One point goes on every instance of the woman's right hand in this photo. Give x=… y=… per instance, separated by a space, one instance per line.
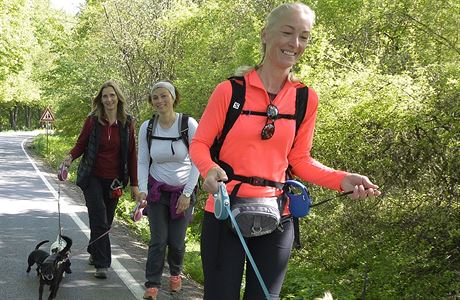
x=360 y=185
x=212 y=179
x=67 y=160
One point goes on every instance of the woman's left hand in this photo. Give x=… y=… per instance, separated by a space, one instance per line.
x=182 y=204
x=360 y=185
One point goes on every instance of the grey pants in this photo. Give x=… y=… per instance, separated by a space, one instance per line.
x=166 y=235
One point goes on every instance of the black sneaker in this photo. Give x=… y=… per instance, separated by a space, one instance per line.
x=101 y=273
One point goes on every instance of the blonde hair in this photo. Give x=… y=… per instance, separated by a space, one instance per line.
x=270 y=21
x=98 y=107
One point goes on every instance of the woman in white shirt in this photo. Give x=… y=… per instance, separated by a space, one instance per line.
x=167 y=179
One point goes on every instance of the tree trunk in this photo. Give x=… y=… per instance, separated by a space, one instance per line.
x=14 y=117
x=28 y=117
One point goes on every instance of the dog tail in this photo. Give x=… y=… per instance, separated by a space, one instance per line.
x=41 y=243
x=68 y=244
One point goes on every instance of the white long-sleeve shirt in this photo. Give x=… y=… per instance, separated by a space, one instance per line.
x=174 y=169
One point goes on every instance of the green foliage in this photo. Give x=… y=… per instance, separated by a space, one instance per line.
x=192 y=261
x=26 y=41
x=387 y=76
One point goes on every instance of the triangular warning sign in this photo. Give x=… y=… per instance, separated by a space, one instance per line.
x=47 y=116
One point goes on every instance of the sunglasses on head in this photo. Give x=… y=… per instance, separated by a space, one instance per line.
x=269 y=129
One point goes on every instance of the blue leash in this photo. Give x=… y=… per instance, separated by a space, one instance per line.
x=222 y=197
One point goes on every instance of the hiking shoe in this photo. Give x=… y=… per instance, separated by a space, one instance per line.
x=175 y=283
x=101 y=273
x=90 y=260
x=151 y=293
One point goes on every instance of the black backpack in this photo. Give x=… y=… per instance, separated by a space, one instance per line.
x=235 y=109
x=183 y=135
x=183 y=132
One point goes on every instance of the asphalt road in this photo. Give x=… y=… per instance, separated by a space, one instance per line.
x=29 y=198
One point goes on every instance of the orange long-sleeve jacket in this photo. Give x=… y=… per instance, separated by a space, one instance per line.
x=247 y=153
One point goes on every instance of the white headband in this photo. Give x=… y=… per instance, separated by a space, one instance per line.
x=166 y=85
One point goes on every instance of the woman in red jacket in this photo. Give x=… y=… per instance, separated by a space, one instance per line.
x=262 y=144
x=108 y=143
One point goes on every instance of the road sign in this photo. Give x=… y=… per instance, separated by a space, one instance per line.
x=47 y=116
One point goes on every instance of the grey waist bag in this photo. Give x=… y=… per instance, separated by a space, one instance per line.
x=255 y=216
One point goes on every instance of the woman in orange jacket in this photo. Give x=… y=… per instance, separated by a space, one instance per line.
x=261 y=145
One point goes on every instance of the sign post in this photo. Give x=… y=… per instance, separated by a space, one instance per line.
x=47 y=117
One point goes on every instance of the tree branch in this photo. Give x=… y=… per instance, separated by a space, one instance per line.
x=428 y=29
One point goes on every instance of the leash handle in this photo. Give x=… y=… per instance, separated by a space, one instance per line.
x=63 y=172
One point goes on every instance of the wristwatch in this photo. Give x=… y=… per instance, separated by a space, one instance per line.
x=187 y=194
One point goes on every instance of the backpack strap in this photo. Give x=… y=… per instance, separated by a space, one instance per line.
x=301 y=101
x=295 y=222
x=150 y=128
x=233 y=112
x=183 y=129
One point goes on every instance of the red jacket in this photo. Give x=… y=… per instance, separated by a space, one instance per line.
x=107 y=163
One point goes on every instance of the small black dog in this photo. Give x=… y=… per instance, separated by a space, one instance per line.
x=53 y=268
x=37 y=257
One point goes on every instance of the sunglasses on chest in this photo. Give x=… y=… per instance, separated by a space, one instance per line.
x=272 y=114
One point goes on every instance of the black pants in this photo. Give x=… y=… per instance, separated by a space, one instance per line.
x=101 y=211
x=223 y=258
x=168 y=235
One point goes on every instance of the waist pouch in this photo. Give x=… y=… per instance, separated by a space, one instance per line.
x=255 y=216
